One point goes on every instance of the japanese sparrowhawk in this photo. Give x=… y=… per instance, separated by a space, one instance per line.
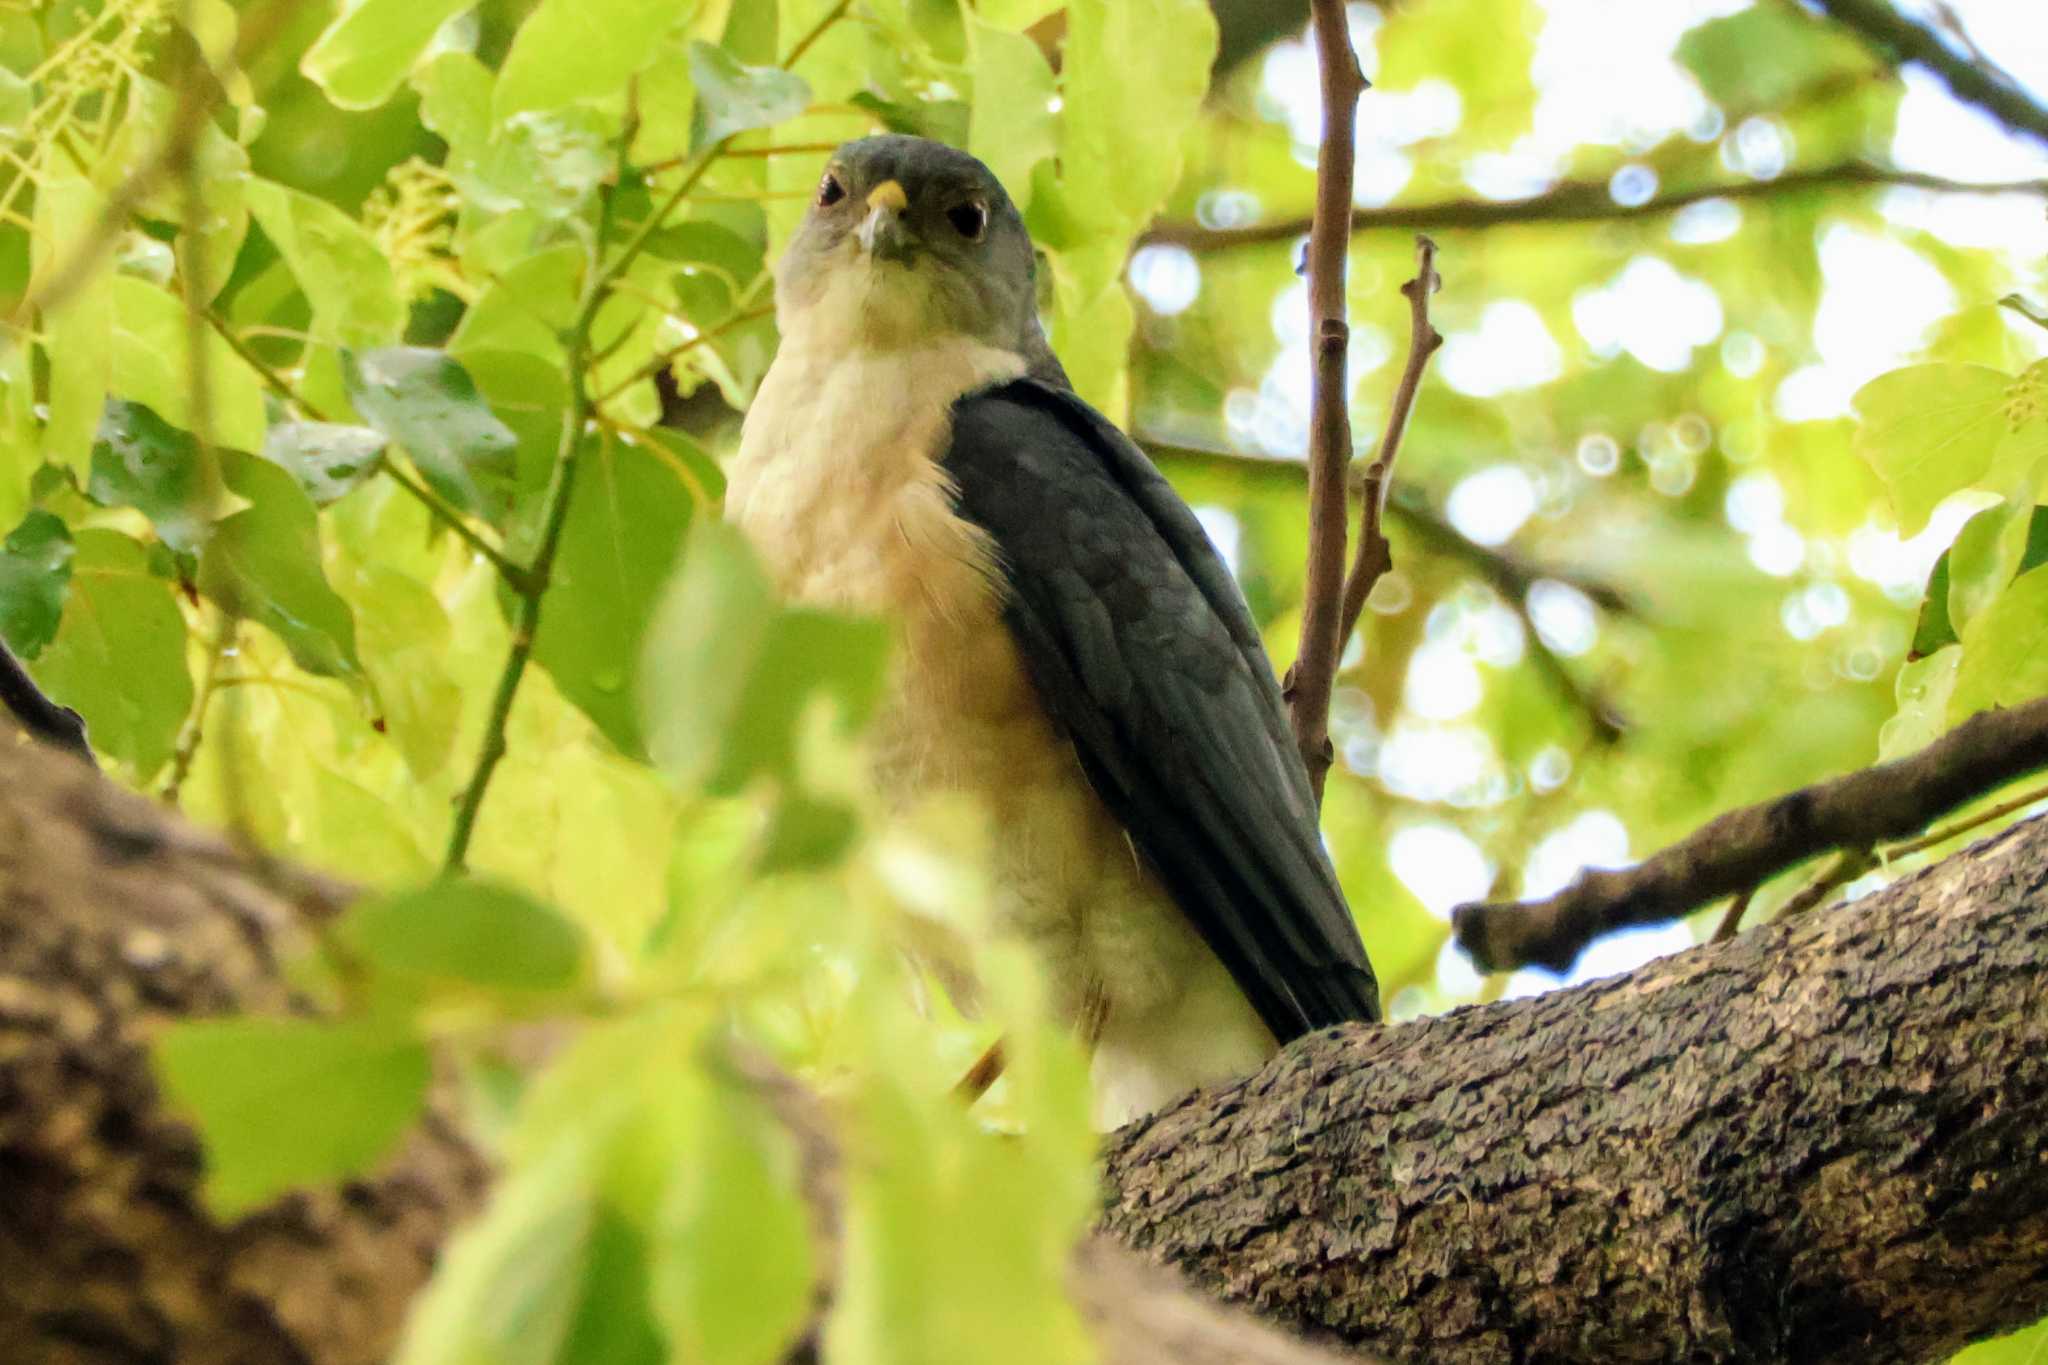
x=1074 y=653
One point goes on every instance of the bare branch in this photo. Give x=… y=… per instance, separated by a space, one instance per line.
x=1743 y=847
x=1375 y=556
x=1576 y=201
x=1329 y=440
x=1507 y=573
x=1900 y=39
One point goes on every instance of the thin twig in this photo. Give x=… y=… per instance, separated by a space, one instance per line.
x=1963 y=826
x=1574 y=201
x=1329 y=442
x=1507 y=573
x=667 y=358
x=817 y=31
x=189 y=120
x=1375 y=556
x=194 y=728
x=1837 y=872
x=1744 y=847
x=1731 y=919
x=986 y=1071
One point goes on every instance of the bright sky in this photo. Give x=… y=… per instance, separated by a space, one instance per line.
x=1606 y=74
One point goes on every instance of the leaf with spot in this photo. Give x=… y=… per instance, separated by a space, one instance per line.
x=263 y=563
x=144 y=462
x=426 y=402
x=35 y=576
x=283 y=1103
x=329 y=459
x=118 y=657
x=631 y=509
x=731 y=98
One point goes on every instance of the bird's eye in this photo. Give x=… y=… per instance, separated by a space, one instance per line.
x=970 y=219
x=830 y=191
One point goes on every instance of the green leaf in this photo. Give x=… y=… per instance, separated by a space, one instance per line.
x=403 y=639
x=509 y=1284
x=144 y=462
x=264 y=563
x=624 y=529
x=119 y=655
x=1013 y=126
x=807 y=834
x=78 y=333
x=35 y=576
x=733 y=98
x=329 y=459
x=17 y=102
x=2005 y=650
x=1928 y=431
x=290 y=1102
x=364 y=55
x=1994 y=554
x=1135 y=75
x=1762 y=57
x=467 y=933
x=727 y=674
x=152 y=366
x=571 y=50
x=1923 y=689
x=732 y=1260
x=341 y=269
x=427 y=403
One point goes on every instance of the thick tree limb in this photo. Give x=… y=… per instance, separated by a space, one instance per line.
x=1573 y=201
x=1736 y=851
x=1899 y=39
x=1819 y=1142
x=1314 y=675
x=116 y=918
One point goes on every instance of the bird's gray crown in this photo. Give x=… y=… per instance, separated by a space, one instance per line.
x=908 y=240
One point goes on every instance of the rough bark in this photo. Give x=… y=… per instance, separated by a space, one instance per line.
x=1826 y=1140
x=116 y=918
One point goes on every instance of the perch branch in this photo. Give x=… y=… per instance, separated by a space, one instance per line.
x=1574 y=201
x=1744 y=847
x=1329 y=442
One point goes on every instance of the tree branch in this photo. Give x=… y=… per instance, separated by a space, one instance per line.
x=1314 y=675
x=1507 y=573
x=1820 y=1142
x=1573 y=201
x=116 y=918
x=1375 y=556
x=1745 y=847
x=1899 y=39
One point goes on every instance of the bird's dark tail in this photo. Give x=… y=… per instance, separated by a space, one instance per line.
x=41 y=717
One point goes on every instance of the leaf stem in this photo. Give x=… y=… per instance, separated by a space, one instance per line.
x=513 y=574
x=561 y=487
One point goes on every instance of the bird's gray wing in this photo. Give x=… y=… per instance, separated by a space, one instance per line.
x=1144 y=653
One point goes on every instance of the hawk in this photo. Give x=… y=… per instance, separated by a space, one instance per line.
x=1074 y=653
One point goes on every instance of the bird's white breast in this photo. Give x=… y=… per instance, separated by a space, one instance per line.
x=837 y=483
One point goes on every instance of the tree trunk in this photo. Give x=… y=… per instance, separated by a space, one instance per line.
x=1826 y=1140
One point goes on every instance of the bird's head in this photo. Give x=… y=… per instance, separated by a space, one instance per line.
x=907 y=240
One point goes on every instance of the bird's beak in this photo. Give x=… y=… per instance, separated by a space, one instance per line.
x=881 y=233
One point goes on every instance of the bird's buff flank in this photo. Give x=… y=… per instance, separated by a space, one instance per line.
x=908 y=286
